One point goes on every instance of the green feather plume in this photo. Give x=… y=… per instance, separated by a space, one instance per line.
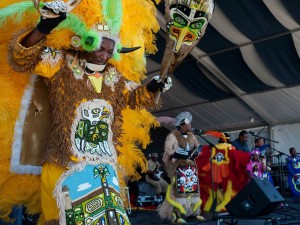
x=90 y=39
x=112 y=11
x=16 y=11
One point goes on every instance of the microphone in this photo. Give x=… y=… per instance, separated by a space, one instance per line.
x=196 y=131
x=252 y=133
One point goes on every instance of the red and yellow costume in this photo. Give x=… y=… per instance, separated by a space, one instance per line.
x=222 y=173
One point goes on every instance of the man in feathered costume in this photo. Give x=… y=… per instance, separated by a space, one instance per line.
x=183 y=194
x=222 y=172
x=96 y=113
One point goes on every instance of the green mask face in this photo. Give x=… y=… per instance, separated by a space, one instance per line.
x=186 y=25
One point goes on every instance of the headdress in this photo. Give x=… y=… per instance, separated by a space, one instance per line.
x=225 y=138
x=183 y=118
x=88 y=23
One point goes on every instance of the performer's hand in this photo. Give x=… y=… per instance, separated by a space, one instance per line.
x=173 y=160
x=167 y=84
x=46 y=25
x=156 y=84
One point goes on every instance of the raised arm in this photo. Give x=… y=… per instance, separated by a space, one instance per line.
x=33 y=38
x=46 y=25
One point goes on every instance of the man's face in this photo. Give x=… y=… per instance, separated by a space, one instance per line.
x=186 y=127
x=101 y=56
x=260 y=142
x=244 y=138
x=293 y=152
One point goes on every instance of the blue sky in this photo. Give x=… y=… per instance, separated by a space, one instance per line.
x=83 y=182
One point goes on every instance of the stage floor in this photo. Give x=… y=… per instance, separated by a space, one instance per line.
x=291 y=212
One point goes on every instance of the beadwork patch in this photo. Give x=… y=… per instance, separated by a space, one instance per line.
x=91 y=131
x=187 y=179
x=90 y=194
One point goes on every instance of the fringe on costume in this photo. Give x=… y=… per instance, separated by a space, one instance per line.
x=18 y=132
x=165 y=210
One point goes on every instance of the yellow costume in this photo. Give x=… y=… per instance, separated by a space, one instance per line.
x=73 y=141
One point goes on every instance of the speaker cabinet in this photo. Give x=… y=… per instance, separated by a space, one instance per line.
x=258 y=197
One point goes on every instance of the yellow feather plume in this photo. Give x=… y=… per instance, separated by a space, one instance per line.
x=216 y=134
x=136 y=127
x=141 y=14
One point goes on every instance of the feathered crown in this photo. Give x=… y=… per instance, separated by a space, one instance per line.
x=88 y=23
x=133 y=22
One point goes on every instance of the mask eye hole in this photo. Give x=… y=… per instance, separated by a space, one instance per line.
x=179 y=19
x=198 y=24
x=96 y=110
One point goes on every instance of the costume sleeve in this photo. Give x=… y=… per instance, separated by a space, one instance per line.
x=196 y=142
x=36 y=59
x=171 y=144
x=140 y=97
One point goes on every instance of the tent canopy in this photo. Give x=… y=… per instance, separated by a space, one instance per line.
x=244 y=72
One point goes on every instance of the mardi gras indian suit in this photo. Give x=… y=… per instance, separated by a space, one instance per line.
x=95 y=120
x=183 y=194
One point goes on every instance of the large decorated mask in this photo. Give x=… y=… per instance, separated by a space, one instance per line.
x=188 y=20
x=186 y=23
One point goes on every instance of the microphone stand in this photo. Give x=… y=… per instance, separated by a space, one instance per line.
x=214 y=194
x=279 y=152
x=266 y=139
x=281 y=170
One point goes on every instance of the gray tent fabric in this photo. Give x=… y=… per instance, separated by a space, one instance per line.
x=245 y=71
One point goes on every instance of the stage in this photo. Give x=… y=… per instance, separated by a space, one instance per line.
x=288 y=213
